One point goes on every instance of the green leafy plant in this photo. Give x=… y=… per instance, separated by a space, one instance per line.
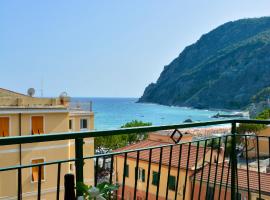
x=118 y=141
x=254 y=128
x=102 y=191
x=214 y=143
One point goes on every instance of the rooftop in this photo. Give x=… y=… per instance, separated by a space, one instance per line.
x=10 y=101
x=144 y=155
x=242 y=178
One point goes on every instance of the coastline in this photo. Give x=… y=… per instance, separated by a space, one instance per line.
x=112 y=113
x=194 y=108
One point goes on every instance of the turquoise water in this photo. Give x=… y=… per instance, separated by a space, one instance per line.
x=112 y=113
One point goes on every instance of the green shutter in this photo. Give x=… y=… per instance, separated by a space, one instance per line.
x=155 y=178
x=127 y=170
x=143 y=175
x=137 y=172
x=239 y=196
x=172 y=182
x=210 y=192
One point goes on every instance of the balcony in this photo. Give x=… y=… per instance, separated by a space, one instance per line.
x=223 y=166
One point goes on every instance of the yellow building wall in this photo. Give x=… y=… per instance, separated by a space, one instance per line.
x=49 y=151
x=263 y=144
x=141 y=186
x=88 y=147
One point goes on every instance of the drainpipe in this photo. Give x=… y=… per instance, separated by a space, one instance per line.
x=20 y=133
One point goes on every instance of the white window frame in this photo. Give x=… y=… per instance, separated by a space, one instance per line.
x=87 y=124
x=140 y=173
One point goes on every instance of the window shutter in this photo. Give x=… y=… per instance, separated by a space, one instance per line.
x=143 y=175
x=127 y=170
x=210 y=191
x=35 y=170
x=40 y=125
x=70 y=124
x=35 y=174
x=239 y=196
x=85 y=123
x=155 y=178
x=37 y=125
x=4 y=126
x=137 y=173
x=1 y=128
x=172 y=182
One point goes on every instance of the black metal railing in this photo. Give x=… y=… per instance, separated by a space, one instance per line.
x=227 y=166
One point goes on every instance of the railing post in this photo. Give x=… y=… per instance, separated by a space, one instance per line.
x=233 y=162
x=79 y=163
x=69 y=187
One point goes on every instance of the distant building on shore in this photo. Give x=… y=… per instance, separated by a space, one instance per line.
x=22 y=115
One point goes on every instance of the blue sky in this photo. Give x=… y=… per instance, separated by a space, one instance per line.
x=112 y=48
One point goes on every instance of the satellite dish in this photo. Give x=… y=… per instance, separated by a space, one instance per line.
x=31 y=92
x=63 y=95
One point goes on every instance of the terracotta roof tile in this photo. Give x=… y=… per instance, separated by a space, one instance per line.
x=242 y=178
x=144 y=155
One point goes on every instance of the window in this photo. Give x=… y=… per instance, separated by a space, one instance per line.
x=141 y=174
x=172 y=182
x=37 y=125
x=210 y=192
x=215 y=159
x=70 y=124
x=71 y=167
x=239 y=196
x=83 y=124
x=35 y=170
x=127 y=171
x=4 y=126
x=155 y=178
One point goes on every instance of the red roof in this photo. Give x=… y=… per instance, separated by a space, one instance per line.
x=144 y=155
x=242 y=178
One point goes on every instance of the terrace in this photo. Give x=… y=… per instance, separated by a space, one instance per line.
x=205 y=168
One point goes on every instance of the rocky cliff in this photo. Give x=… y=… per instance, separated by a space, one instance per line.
x=224 y=69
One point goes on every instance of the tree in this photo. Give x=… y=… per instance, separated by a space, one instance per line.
x=264 y=114
x=250 y=128
x=135 y=137
x=254 y=128
x=214 y=143
x=105 y=144
x=117 y=141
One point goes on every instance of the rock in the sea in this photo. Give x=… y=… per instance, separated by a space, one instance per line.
x=188 y=121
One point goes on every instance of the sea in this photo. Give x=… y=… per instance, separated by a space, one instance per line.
x=112 y=113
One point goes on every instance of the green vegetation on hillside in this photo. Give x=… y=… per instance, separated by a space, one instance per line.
x=263 y=95
x=228 y=67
